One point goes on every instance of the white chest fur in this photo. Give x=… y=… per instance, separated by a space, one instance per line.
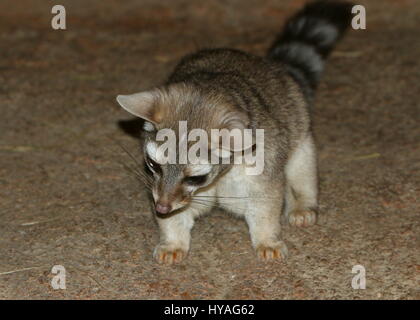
x=233 y=190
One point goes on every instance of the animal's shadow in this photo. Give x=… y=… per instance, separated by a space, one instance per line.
x=131 y=127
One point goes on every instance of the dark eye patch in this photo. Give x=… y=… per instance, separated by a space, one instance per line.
x=153 y=165
x=195 y=180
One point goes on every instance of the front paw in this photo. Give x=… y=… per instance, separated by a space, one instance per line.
x=302 y=218
x=167 y=254
x=273 y=251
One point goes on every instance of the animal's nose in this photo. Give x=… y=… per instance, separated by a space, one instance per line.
x=163 y=208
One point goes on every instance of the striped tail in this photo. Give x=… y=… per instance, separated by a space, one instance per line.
x=309 y=37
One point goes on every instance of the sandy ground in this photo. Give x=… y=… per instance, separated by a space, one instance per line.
x=66 y=199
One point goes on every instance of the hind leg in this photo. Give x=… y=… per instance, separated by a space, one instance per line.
x=302 y=185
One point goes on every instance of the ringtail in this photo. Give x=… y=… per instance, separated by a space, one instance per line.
x=228 y=88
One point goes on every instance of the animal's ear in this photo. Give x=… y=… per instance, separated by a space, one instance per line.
x=235 y=132
x=140 y=104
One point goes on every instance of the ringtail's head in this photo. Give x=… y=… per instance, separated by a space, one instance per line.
x=172 y=114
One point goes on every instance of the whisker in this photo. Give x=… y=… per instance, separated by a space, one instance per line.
x=141 y=178
x=238 y=197
x=134 y=170
x=207 y=205
x=129 y=154
x=137 y=170
x=217 y=203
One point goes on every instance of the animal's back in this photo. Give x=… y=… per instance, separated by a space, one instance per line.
x=259 y=85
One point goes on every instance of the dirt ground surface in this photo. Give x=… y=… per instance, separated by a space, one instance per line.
x=66 y=199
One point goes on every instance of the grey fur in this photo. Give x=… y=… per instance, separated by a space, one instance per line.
x=229 y=88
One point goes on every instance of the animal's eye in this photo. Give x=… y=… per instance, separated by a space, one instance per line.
x=196 y=180
x=153 y=165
